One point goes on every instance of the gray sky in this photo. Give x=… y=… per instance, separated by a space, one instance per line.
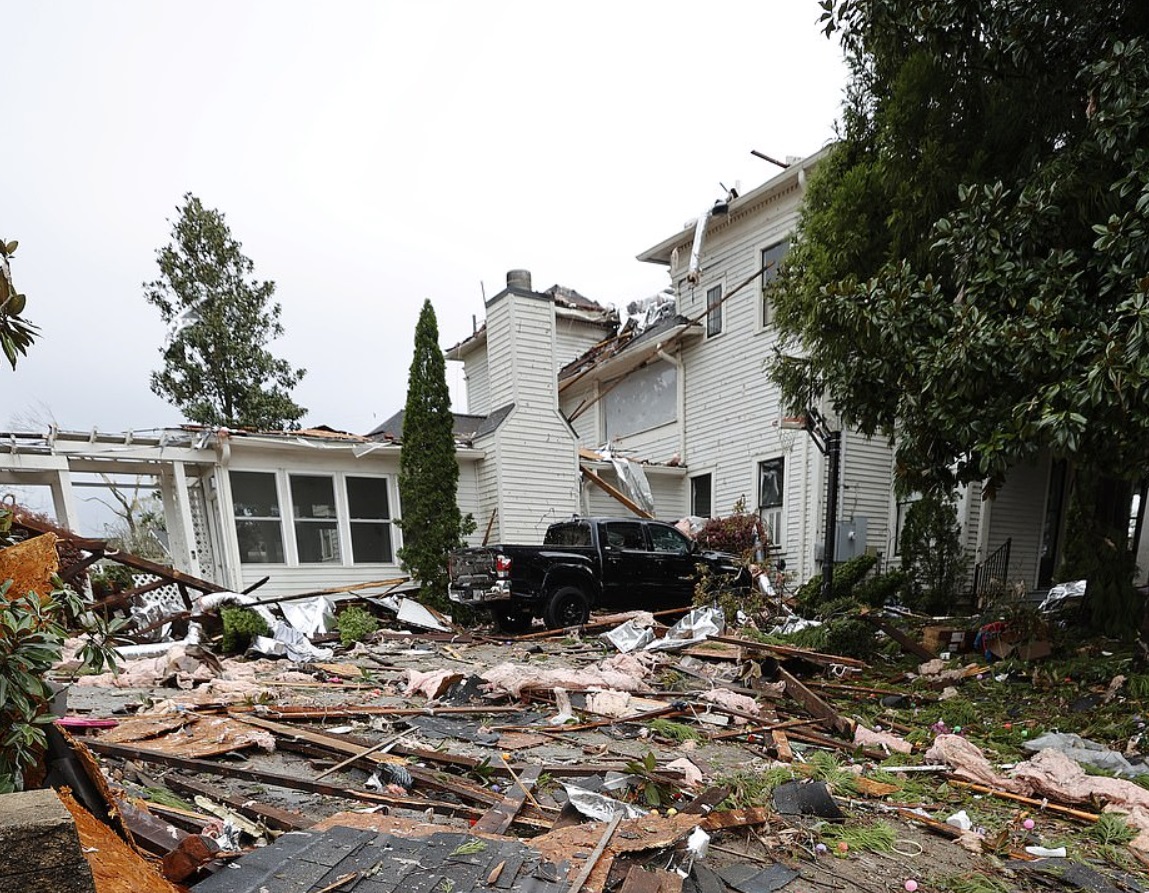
x=368 y=156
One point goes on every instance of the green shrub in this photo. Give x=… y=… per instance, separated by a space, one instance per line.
x=355 y=624
x=932 y=554
x=850 y=637
x=847 y=576
x=240 y=626
x=738 y=533
x=877 y=591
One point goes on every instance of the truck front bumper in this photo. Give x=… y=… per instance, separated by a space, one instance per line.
x=498 y=592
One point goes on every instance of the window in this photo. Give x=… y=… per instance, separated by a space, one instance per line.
x=624 y=535
x=257 y=522
x=713 y=310
x=644 y=399
x=667 y=539
x=771 y=258
x=370 y=514
x=576 y=534
x=316 y=527
x=701 y=498
x=771 y=496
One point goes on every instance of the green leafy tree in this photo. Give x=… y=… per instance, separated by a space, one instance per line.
x=217 y=369
x=971 y=276
x=16 y=334
x=428 y=471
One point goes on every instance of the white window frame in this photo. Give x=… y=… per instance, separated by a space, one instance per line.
x=765 y=307
x=287 y=519
x=719 y=284
x=773 y=516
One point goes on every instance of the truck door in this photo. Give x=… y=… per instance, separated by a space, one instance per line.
x=627 y=564
x=674 y=564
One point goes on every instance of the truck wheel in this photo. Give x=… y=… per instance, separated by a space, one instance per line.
x=512 y=621
x=568 y=606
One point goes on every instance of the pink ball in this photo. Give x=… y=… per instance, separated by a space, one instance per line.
x=911 y=885
x=1029 y=824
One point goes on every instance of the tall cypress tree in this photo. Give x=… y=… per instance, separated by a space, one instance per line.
x=428 y=471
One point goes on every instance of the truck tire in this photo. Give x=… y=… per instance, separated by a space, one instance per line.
x=513 y=621
x=567 y=606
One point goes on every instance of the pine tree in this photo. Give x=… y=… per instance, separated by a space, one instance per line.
x=217 y=370
x=428 y=471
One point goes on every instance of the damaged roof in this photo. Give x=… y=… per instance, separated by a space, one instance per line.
x=466 y=428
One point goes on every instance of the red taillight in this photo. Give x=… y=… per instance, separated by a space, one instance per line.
x=502 y=565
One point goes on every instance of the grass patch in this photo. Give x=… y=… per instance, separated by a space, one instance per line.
x=1112 y=829
x=877 y=838
x=971 y=883
x=749 y=788
x=675 y=731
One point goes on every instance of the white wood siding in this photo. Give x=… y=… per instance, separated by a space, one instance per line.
x=573 y=338
x=500 y=354
x=1017 y=514
x=668 y=487
x=478 y=383
x=536 y=453
x=867 y=485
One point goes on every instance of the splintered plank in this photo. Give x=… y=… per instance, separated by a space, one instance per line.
x=813 y=704
x=909 y=645
x=284 y=781
x=499 y=818
x=782 y=745
x=273 y=817
x=651 y=880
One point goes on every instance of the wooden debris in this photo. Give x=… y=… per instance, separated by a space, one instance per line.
x=782 y=745
x=499 y=818
x=271 y=816
x=641 y=879
x=116 y=867
x=30 y=566
x=813 y=704
x=1029 y=801
x=909 y=645
x=593 y=860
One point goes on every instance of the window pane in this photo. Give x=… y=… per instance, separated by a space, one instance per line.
x=317 y=542
x=257 y=525
x=312 y=496
x=714 y=310
x=370 y=542
x=260 y=542
x=701 y=502
x=367 y=498
x=568 y=535
x=644 y=399
x=770 y=483
x=771 y=260
x=625 y=535
x=253 y=494
x=666 y=539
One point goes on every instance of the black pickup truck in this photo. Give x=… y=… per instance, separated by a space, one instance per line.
x=584 y=563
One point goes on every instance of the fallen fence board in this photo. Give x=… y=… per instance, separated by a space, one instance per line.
x=271 y=816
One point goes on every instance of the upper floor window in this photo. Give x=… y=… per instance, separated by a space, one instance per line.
x=713 y=310
x=770 y=259
x=643 y=399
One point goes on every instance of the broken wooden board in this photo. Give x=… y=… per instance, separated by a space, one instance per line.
x=271 y=816
x=641 y=879
x=909 y=645
x=116 y=867
x=195 y=738
x=499 y=818
x=30 y=566
x=814 y=705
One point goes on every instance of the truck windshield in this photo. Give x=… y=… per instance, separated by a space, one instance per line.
x=568 y=535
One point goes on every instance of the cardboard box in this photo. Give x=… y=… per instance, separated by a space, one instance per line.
x=944 y=638
x=1035 y=650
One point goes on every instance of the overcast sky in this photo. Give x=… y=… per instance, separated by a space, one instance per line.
x=368 y=156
